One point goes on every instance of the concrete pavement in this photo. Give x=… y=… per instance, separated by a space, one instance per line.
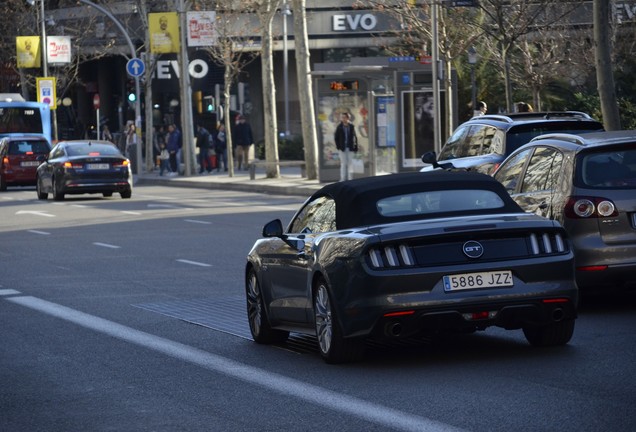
x=290 y=182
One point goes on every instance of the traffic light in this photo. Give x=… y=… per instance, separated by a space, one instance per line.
x=131 y=91
x=209 y=103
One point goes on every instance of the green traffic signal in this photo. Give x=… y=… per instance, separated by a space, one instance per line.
x=132 y=97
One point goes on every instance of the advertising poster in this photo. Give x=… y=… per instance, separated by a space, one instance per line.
x=47 y=91
x=329 y=109
x=164 y=32
x=418 y=126
x=58 y=49
x=201 y=28
x=28 y=51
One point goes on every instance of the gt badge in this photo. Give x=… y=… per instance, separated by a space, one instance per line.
x=473 y=249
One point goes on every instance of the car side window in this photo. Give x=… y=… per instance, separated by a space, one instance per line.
x=453 y=147
x=540 y=174
x=509 y=173
x=317 y=216
x=474 y=141
x=493 y=141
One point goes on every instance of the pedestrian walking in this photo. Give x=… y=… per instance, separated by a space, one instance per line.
x=174 y=146
x=203 y=144
x=131 y=139
x=220 y=147
x=243 y=139
x=347 y=144
x=164 y=159
x=106 y=135
x=480 y=109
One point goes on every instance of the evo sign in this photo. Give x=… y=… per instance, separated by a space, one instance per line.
x=353 y=22
x=167 y=69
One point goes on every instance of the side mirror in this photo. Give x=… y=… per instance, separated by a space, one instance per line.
x=273 y=229
x=430 y=158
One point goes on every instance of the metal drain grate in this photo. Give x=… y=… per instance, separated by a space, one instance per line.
x=228 y=315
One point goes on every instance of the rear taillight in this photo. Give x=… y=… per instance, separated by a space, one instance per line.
x=583 y=207
x=391 y=256
x=5 y=160
x=73 y=165
x=121 y=164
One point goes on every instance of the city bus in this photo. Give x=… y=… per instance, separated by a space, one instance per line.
x=18 y=116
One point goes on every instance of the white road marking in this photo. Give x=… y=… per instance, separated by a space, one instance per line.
x=194 y=263
x=39 y=232
x=170 y=206
x=106 y=245
x=198 y=221
x=131 y=212
x=4 y=292
x=368 y=411
x=80 y=206
x=33 y=212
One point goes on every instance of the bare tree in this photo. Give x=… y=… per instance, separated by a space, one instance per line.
x=305 y=92
x=229 y=52
x=604 y=73
x=266 y=11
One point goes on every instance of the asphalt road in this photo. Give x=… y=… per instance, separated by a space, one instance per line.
x=128 y=315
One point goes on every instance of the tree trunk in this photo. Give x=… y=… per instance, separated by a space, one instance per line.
x=604 y=73
x=269 y=98
x=305 y=89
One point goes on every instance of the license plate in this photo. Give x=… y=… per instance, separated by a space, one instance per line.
x=97 y=166
x=466 y=281
x=29 y=163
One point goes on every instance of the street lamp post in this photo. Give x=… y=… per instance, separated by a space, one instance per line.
x=472 y=60
x=45 y=64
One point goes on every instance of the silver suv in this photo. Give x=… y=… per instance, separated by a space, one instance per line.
x=483 y=142
x=588 y=184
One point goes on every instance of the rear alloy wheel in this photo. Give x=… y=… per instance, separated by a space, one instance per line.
x=38 y=189
x=333 y=347
x=107 y=194
x=126 y=194
x=554 y=334
x=57 y=195
x=260 y=328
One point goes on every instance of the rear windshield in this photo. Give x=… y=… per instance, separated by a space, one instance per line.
x=92 y=149
x=439 y=202
x=608 y=169
x=28 y=147
x=523 y=134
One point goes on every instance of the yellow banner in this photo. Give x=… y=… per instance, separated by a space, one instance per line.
x=28 y=51
x=164 y=32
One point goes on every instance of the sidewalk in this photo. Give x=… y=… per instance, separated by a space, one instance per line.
x=290 y=182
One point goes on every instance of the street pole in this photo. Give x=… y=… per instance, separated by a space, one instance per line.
x=286 y=13
x=187 y=134
x=435 y=63
x=472 y=60
x=45 y=65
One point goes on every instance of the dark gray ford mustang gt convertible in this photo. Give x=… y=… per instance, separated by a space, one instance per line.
x=406 y=255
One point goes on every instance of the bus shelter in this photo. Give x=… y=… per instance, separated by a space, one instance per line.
x=390 y=101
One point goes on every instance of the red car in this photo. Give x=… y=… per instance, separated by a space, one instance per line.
x=20 y=156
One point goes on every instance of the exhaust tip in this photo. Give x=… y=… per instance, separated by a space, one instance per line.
x=393 y=329
x=558 y=315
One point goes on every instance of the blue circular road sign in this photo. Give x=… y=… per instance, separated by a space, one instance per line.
x=135 y=67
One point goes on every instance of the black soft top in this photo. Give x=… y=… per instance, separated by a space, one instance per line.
x=356 y=199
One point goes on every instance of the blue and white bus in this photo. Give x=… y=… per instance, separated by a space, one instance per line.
x=18 y=116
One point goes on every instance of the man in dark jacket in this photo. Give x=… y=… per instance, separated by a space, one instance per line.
x=346 y=143
x=174 y=146
x=203 y=144
x=242 y=139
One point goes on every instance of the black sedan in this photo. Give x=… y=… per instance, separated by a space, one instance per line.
x=84 y=166
x=408 y=255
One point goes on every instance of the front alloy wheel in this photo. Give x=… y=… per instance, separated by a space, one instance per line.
x=333 y=347
x=57 y=195
x=260 y=328
x=38 y=187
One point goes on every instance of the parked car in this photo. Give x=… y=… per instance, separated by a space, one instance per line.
x=406 y=255
x=20 y=156
x=483 y=142
x=588 y=184
x=84 y=166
